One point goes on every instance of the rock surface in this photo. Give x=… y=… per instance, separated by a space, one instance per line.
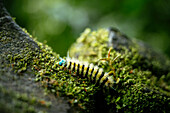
x=144 y=73
x=18 y=90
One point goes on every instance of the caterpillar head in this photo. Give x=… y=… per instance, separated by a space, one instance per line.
x=62 y=62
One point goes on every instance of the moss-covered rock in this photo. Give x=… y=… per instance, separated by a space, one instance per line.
x=28 y=67
x=144 y=79
x=19 y=92
x=137 y=84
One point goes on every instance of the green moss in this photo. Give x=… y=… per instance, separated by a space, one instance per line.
x=60 y=82
x=19 y=102
x=138 y=84
x=135 y=87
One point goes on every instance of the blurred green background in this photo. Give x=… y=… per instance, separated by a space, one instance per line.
x=60 y=22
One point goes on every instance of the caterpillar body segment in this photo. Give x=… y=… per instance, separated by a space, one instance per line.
x=93 y=73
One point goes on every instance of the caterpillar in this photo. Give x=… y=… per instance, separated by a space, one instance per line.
x=94 y=73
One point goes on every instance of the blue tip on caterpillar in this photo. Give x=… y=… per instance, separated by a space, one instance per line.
x=62 y=62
